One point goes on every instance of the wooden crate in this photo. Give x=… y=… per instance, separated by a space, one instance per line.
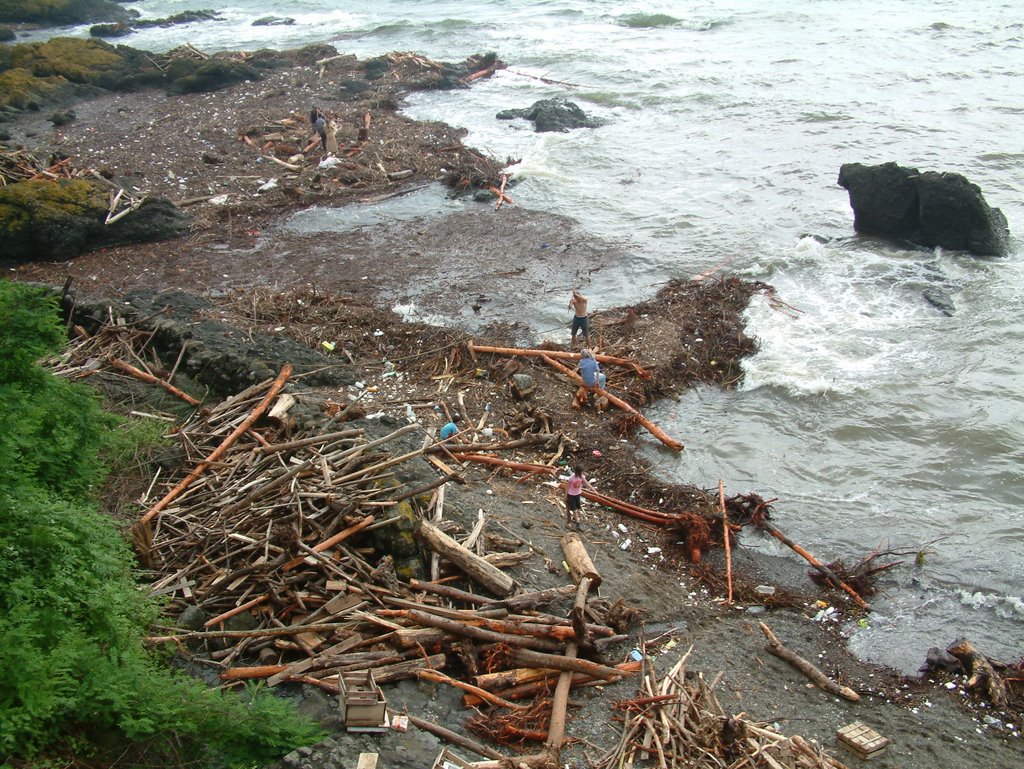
x=360 y=700
x=448 y=760
x=862 y=739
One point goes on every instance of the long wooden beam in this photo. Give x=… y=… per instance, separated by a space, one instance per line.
x=564 y=354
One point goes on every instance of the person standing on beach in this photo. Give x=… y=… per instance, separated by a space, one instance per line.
x=573 y=496
x=319 y=122
x=580 y=319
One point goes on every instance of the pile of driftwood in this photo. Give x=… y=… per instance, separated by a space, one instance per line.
x=271 y=537
x=678 y=721
x=276 y=531
x=21 y=165
x=365 y=149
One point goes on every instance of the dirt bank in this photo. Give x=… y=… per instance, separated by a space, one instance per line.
x=481 y=269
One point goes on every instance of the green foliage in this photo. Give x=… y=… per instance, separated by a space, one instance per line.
x=54 y=428
x=29 y=329
x=72 y=620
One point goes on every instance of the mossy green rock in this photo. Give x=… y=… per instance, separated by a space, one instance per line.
x=399 y=541
x=49 y=220
x=54 y=220
x=61 y=11
x=31 y=73
x=210 y=75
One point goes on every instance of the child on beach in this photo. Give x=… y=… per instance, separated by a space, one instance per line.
x=573 y=496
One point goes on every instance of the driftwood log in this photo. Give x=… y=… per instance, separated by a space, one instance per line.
x=980 y=670
x=820 y=680
x=475 y=567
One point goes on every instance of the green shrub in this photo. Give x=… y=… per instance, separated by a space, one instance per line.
x=72 y=620
x=54 y=428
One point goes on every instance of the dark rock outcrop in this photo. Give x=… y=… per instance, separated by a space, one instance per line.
x=63 y=11
x=156 y=219
x=122 y=28
x=213 y=355
x=210 y=75
x=551 y=115
x=418 y=74
x=53 y=220
x=929 y=209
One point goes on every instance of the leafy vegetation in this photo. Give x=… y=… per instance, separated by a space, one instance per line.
x=78 y=680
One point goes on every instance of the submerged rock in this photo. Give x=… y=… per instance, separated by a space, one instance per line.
x=122 y=28
x=274 y=21
x=551 y=115
x=940 y=300
x=929 y=209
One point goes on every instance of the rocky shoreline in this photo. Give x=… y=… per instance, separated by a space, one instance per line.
x=239 y=268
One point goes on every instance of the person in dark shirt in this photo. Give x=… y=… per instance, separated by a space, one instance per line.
x=319 y=122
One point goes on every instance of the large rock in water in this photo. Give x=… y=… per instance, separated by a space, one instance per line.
x=930 y=209
x=551 y=115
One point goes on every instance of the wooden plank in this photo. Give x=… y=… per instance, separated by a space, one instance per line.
x=304 y=665
x=367 y=761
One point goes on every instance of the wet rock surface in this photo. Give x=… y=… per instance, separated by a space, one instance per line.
x=547 y=115
x=212 y=355
x=929 y=209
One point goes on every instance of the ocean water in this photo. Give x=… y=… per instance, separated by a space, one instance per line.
x=874 y=419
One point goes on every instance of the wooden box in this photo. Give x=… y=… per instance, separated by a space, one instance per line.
x=360 y=700
x=862 y=739
x=448 y=760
